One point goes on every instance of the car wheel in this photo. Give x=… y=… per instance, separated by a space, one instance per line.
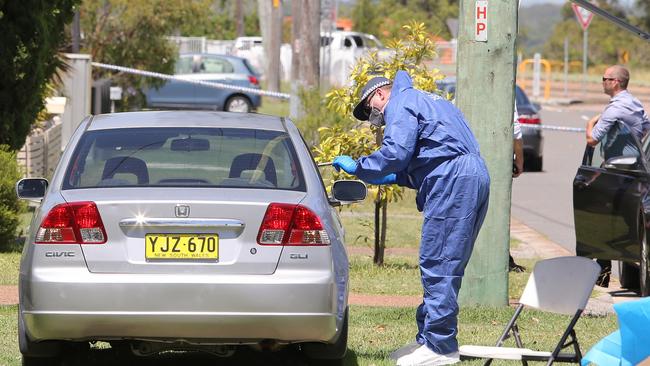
x=644 y=262
x=330 y=354
x=238 y=103
x=628 y=275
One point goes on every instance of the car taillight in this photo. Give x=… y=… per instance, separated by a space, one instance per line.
x=529 y=119
x=253 y=80
x=72 y=223
x=286 y=224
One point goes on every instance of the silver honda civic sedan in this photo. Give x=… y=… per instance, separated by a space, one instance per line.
x=185 y=230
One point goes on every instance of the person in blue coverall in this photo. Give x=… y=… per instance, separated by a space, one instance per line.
x=428 y=146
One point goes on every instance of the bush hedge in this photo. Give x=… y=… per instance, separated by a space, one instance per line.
x=10 y=206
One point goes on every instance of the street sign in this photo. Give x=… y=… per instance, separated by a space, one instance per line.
x=583 y=15
x=481 y=21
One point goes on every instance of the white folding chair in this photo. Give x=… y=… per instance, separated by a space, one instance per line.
x=558 y=285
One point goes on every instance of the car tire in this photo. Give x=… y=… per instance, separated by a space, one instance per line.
x=238 y=103
x=326 y=353
x=644 y=262
x=628 y=275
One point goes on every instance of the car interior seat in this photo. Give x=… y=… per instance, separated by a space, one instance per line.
x=126 y=164
x=254 y=161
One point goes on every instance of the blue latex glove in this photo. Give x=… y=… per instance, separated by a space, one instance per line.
x=387 y=179
x=346 y=163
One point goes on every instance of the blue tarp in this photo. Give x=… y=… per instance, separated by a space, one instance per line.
x=631 y=343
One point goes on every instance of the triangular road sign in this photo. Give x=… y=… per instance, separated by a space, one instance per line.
x=583 y=15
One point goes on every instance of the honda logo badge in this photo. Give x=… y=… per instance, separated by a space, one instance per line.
x=182 y=210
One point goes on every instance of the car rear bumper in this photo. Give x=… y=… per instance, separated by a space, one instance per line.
x=285 y=306
x=224 y=328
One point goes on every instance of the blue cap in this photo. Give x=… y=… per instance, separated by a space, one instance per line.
x=361 y=111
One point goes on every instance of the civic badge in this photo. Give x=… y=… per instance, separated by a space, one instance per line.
x=182 y=210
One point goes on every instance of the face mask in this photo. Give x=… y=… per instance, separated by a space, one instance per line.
x=376 y=118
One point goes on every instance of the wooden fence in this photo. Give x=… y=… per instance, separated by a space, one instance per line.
x=41 y=152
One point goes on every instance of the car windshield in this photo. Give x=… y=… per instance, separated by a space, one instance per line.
x=201 y=157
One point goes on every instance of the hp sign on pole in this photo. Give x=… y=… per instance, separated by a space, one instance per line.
x=584 y=17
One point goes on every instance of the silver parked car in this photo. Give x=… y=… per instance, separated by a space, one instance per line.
x=173 y=230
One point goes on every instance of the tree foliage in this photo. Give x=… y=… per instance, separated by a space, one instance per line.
x=606 y=41
x=31 y=33
x=410 y=54
x=219 y=21
x=132 y=33
x=10 y=206
x=384 y=18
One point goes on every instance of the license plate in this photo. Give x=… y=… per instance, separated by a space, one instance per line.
x=182 y=246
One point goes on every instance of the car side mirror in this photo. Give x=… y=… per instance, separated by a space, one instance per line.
x=31 y=188
x=625 y=163
x=348 y=191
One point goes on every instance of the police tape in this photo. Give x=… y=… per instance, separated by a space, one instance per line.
x=553 y=128
x=210 y=84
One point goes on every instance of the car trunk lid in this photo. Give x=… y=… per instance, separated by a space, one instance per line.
x=151 y=230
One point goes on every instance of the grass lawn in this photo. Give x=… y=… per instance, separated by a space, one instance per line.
x=9 y=354
x=274 y=107
x=400 y=275
x=9 y=262
x=375 y=332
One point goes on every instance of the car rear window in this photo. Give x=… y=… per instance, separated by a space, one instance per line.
x=198 y=157
x=250 y=68
x=215 y=65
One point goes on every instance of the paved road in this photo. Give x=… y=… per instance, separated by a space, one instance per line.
x=543 y=200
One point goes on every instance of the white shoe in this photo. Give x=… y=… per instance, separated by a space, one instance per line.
x=405 y=350
x=423 y=356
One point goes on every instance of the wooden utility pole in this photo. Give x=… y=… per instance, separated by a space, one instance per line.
x=295 y=107
x=310 y=43
x=305 y=42
x=270 y=13
x=485 y=94
x=239 y=18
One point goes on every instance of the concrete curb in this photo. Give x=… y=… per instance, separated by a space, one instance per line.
x=533 y=244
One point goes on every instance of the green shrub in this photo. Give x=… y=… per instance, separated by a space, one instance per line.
x=10 y=206
x=315 y=115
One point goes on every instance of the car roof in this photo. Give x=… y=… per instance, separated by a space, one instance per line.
x=186 y=119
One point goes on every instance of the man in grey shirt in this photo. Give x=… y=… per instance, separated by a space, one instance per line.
x=623 y=107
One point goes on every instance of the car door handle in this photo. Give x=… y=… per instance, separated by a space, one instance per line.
x=581 y=182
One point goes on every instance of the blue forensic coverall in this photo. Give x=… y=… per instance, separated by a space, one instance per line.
x=429 y=146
